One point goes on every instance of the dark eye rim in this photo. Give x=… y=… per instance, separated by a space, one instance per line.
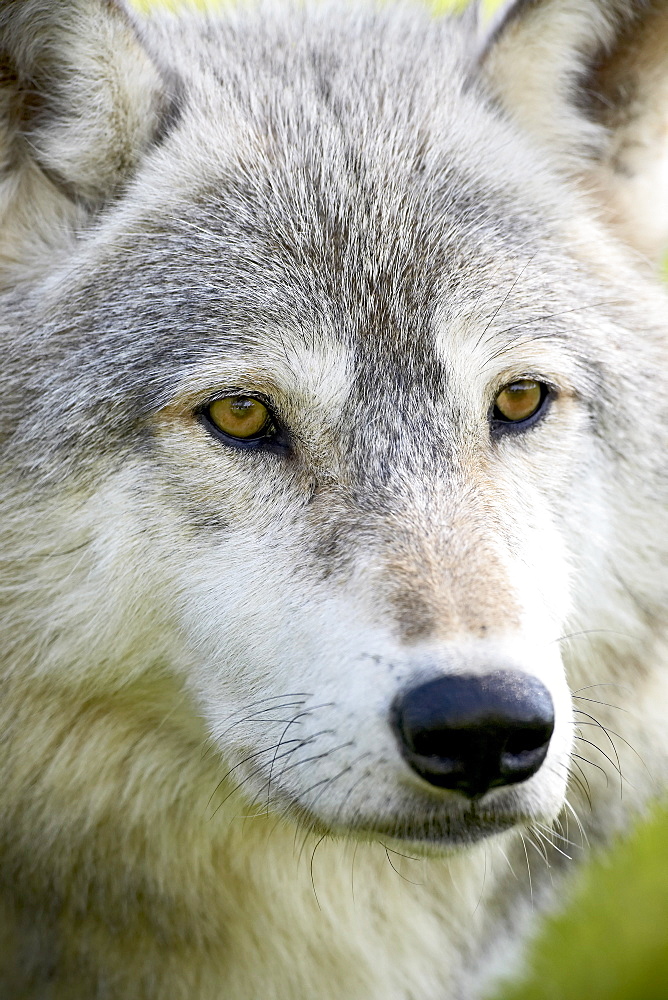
x=501 y=426
x=271 y=438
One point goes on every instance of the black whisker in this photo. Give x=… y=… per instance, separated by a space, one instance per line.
x=595 y=722
x=251 y=756
x=311 y=868
x=601 y=751
x=586 y=760
x=504 y=299
x=395 y=869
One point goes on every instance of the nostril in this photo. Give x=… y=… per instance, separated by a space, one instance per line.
x=473 y=733
x=527 y=738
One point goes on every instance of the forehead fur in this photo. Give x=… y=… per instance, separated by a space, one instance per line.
x=333 y=172
x=354 y=200
x=344 y=153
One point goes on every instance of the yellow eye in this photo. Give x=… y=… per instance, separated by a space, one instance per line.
x=519 y=401
x=240 y=417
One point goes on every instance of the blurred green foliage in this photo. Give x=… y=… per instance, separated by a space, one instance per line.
x=611 y=942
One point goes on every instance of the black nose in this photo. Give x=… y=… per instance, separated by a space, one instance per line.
x=473 y=733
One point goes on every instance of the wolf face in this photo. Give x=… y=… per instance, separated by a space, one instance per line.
x=334 y=394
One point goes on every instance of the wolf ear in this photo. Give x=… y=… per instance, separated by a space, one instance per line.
x=589 y=79
x=80 y=99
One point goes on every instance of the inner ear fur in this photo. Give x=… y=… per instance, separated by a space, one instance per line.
x=589 y=79
x=80 y=101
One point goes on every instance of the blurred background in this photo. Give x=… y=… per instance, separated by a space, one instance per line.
x=610 y=941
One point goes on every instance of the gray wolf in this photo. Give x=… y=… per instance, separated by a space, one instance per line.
x=333 y=483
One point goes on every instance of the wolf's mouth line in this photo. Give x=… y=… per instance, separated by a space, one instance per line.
x=429 y=825
x=440 y=831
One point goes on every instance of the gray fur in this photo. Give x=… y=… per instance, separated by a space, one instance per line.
x=351 y=211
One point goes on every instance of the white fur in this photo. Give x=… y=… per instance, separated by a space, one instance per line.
x=375 y=222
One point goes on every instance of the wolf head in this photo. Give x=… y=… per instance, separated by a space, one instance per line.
x=333 y=386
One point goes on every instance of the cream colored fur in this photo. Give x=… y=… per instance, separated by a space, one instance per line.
x=376 y=220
